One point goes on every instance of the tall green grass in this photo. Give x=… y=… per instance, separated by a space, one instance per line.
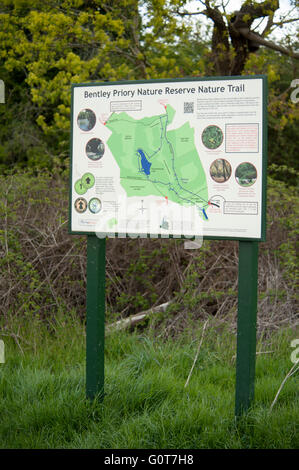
x=146 y=405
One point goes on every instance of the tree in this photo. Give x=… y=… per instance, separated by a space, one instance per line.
x=46 y=46
x=234 y=37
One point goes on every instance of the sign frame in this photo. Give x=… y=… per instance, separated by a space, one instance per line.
x=174 y=80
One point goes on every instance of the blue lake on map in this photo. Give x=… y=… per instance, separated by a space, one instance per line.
x=145 y=164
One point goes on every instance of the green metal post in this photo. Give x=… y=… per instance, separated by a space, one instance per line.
x=95 y=317
x=246 y=336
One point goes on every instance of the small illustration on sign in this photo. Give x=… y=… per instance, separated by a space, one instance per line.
x=94 y=205
x=212 y=137
x=246 y=174
x=88 y=180
x=95 y=149
x=220 y=170
x=86 y=119
x=80 y=187
x=80 y=205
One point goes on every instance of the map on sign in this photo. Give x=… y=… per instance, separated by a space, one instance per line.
x=160 y=158
x=157 y=161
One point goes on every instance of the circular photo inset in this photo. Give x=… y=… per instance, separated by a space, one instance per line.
x=94 y=205
x=80 y=205
x=86 y=119
x=95 y=149
x=80 y=187
x=220 y=170
x=88 y=180
x=212 y=137
x=246 y=174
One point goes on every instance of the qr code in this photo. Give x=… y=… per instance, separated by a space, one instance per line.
x=189 y=107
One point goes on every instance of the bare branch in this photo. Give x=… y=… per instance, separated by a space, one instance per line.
x=197 y=353
x=281 y=23
x=188 y=13
x=289 y=374
x=264 y=42
x=137 y=318
x=268 y=25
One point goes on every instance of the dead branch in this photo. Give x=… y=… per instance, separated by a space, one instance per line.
x=264 y=42
x=137 y=318
x=197 y=353
x=291 y=372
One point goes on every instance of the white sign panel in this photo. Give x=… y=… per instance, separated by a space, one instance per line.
x=168 y=158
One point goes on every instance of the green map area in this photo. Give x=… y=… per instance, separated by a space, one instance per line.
x=155 y=161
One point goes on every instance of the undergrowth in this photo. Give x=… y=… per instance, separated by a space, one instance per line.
x=43 y=268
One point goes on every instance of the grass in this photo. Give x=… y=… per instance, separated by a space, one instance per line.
x=146 y=406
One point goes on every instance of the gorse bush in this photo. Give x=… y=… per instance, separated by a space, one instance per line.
x=43 y=268
x=47 y=46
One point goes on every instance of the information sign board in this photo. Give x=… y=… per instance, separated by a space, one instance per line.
x=169 y=158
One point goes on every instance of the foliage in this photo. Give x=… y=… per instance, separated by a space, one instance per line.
x=280 y=197
x=283 y=114
x=46 y=46
x=43 y=269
